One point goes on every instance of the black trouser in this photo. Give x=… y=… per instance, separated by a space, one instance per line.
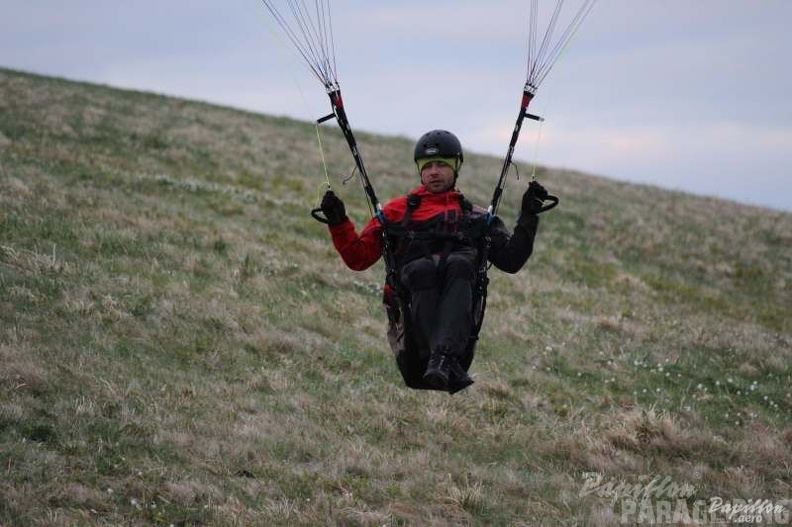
x=441 y=291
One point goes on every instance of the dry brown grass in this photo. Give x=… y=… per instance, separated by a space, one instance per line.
x=181 y=345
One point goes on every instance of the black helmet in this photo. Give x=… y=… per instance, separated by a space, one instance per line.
x=438 y=143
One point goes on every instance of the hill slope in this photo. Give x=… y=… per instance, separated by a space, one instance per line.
x=180 y=344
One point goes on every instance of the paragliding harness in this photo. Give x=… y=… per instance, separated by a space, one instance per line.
x=411 y=357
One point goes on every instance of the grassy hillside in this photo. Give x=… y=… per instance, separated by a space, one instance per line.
x=180 y=344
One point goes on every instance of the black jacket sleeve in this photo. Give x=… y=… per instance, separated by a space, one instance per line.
x=509 y=252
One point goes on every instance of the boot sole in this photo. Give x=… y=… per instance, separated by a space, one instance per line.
x=436 y=379
x=459 y=385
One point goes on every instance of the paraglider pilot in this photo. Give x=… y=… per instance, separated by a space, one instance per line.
x=436 y=237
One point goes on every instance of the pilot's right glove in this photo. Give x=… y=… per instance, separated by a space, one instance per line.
x=333 y=208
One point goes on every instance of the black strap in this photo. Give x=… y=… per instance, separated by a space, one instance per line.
x=467 y=206
x=413 y=202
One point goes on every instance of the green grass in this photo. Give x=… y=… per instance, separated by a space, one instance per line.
x=180 y=343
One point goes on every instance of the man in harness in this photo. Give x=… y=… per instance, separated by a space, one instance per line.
x=437 y=239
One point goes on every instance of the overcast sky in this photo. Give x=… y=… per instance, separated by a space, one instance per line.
x=694 y=95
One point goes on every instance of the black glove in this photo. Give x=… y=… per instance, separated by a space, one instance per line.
x=333 y=208
x=533 y=199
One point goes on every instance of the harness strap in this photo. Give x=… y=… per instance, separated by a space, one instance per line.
x=466 y=205
x=413 y=201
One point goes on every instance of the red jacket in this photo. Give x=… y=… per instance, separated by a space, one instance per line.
x=508 y=252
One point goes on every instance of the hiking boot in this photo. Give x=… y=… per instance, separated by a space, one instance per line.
x=458 y=377
x=437 y=371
